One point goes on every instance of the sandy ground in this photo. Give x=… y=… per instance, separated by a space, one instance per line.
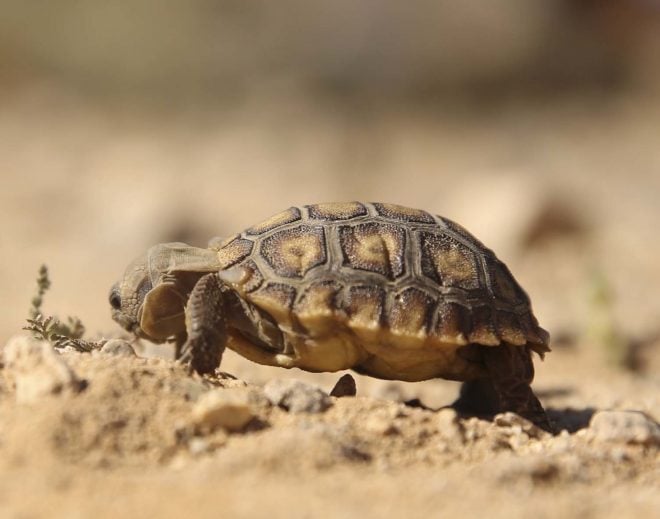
x=565 y=191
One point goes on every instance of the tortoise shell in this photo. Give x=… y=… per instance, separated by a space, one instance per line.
x=411 y=286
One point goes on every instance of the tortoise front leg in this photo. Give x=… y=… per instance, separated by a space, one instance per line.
x=511 y=371
x=205 y=325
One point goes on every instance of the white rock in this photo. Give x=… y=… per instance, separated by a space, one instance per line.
x=197 y=446
x=226 y=408
x=296 y=396
x=632 y=427
x=37 y=369
x=118 y=347
x=446 y=420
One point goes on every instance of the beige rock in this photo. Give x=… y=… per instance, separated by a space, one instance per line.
x=37 y=370
x=296 y=396
x=226 y=408
x=446 y=420
x=633 y=427
x=118 y=347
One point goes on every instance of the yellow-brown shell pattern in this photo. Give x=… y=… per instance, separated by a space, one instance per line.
x=380 y=269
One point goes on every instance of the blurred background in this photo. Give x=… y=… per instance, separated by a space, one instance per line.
x=534 y=123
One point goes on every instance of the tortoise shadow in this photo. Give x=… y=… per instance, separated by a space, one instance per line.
x=567 y=418
x=571 y=419
x=554 y=392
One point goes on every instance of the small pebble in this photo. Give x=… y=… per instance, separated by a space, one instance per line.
x=296 y=396
x=118 y=347
x=197 y=446
x=632 y=427
x=345 y=386
x=226 y=408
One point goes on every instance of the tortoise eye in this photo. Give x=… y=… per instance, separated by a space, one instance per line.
x=115 y=300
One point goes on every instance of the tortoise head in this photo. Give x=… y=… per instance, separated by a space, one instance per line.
x=151 y=297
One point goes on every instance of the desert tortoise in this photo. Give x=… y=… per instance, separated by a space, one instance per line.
x=386 y=290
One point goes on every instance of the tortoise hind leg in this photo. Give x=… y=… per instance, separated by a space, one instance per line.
x=205 y=325
x=478 y=397
x=511 y=372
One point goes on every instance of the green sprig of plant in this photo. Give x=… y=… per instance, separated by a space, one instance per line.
x=60 y=335
x=602 y=326
x=48 y=328
x=43 y=284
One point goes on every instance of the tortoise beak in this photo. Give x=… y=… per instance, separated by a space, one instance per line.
x=141 y=334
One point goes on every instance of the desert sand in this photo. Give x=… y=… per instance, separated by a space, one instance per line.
x=565 y=191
